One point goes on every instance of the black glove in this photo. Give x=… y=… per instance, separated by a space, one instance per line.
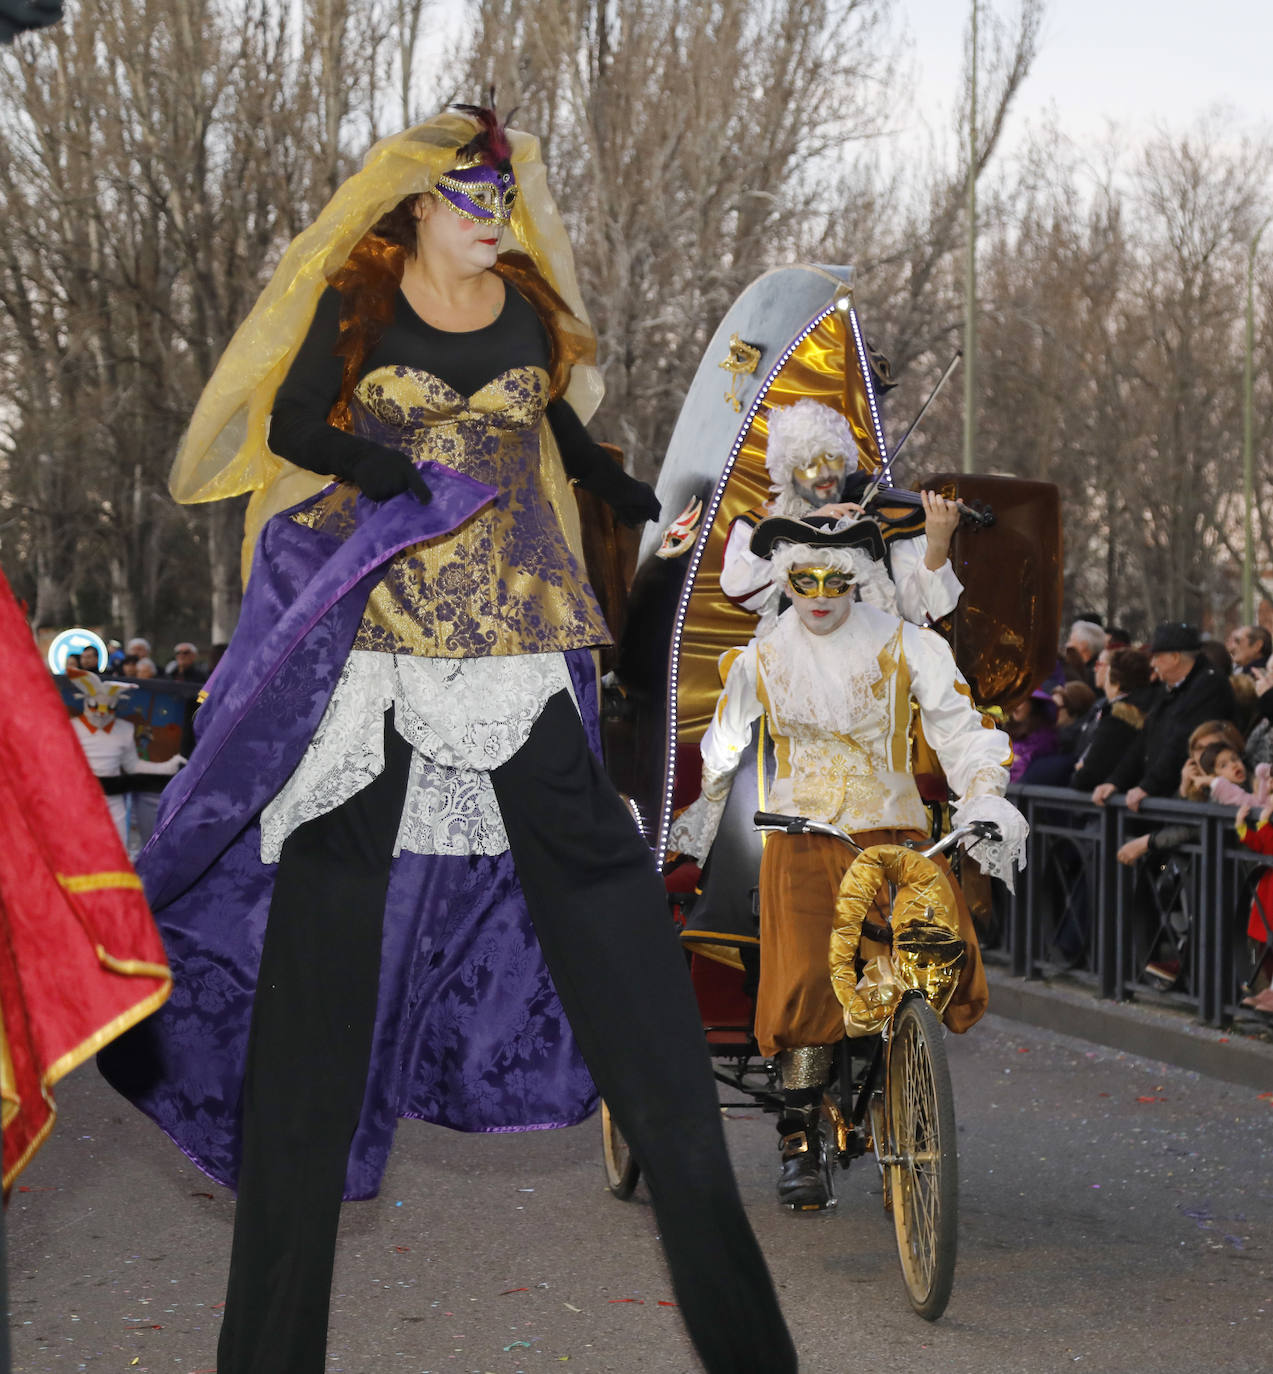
x=632 y=500
x=382 y=473
x=587 y=463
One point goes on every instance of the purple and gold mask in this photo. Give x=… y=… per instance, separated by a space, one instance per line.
x=480 y=192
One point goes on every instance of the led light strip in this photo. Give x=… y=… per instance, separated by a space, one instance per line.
x=700 y=547
x=845 y=304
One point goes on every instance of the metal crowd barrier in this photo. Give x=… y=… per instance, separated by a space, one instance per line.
x=1173 y=927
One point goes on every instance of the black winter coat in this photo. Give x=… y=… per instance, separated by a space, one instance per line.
x=1154 y=759
x=1116 y=731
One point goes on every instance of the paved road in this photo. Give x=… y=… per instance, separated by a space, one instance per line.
x=1117 y=1214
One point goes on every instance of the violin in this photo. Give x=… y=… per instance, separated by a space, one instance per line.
x=901 y=512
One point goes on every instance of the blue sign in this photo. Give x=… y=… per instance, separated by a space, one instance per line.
x=71 y=642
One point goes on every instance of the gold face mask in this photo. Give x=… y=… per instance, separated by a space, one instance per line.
x=823 y=465
x=929 y=957
x=819 y=582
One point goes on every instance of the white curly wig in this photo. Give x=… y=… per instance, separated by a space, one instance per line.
x=798 y=433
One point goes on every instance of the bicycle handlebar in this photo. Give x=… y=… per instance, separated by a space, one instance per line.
x=771 y=820
x=802 y=825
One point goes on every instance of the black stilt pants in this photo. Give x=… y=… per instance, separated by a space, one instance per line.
x=601 y=917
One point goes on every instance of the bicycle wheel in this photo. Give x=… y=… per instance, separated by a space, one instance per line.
x=622 y=1171
x=922 y=1157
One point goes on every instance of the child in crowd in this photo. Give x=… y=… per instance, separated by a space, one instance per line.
x=1209 y=732
x=1223 y=776
x=1259 y=927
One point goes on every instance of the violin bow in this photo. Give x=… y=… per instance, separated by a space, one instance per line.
x=886 y=472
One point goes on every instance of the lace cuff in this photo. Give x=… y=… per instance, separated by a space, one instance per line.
x=716 y=785
x=695 y=828
x=1002 y=857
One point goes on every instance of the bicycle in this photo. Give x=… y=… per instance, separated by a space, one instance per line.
x=890 y=1094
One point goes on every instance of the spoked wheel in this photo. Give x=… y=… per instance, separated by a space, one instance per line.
x=923 y=1179
x=622 y=1171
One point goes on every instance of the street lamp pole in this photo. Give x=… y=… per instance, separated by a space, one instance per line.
x=1248 y=437
x=970 y=266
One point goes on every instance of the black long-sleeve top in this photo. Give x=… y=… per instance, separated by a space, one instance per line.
x=466 y=361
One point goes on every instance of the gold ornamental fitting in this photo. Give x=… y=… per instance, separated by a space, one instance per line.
x=929 y=957
x=868 y=1006
x=742 y=361
x=927 y=950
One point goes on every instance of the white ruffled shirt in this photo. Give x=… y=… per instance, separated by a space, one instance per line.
x=839 y=709
x=842 y=704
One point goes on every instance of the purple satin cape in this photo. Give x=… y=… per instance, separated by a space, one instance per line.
x=469 y=1031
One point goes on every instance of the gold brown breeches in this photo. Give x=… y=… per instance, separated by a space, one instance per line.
x=799 y=879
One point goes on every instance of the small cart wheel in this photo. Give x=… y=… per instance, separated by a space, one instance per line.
x=923 y=1163
x=622 y=1171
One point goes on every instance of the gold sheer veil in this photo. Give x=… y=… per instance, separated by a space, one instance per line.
x=224 y=450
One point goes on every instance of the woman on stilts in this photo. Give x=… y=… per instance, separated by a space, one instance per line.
x=394 y=879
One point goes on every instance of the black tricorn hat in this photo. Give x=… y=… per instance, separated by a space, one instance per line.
x=819 y=532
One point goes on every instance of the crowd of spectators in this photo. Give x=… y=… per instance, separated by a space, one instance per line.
x=134 y=660
x=1179 y=717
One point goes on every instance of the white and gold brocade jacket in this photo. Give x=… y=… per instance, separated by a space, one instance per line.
x=840 y=707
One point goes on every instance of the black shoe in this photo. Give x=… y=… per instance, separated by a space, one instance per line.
x=802 y=1184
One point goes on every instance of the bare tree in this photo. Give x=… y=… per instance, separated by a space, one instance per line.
x=155 y=158
x=679 y=159
x=157 y=155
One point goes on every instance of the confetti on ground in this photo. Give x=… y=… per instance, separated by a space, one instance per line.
x=507 y=1291
x=572 y=1307
x=636 y=1300
x=518 y=1345
x=666 y=1304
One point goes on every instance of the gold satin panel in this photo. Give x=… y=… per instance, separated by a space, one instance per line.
x=505 y=582
x=824 y=367
x=927 y=950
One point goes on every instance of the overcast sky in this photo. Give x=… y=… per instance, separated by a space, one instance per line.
x=1139 y=62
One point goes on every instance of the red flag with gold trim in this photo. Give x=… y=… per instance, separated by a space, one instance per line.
x=80 y=957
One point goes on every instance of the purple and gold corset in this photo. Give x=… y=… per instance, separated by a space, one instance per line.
x=505 y=582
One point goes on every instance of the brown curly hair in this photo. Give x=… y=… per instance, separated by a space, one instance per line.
x=368 y=281
x=1129 y=669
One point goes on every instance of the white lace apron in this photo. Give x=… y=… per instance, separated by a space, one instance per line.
x=462 y=717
